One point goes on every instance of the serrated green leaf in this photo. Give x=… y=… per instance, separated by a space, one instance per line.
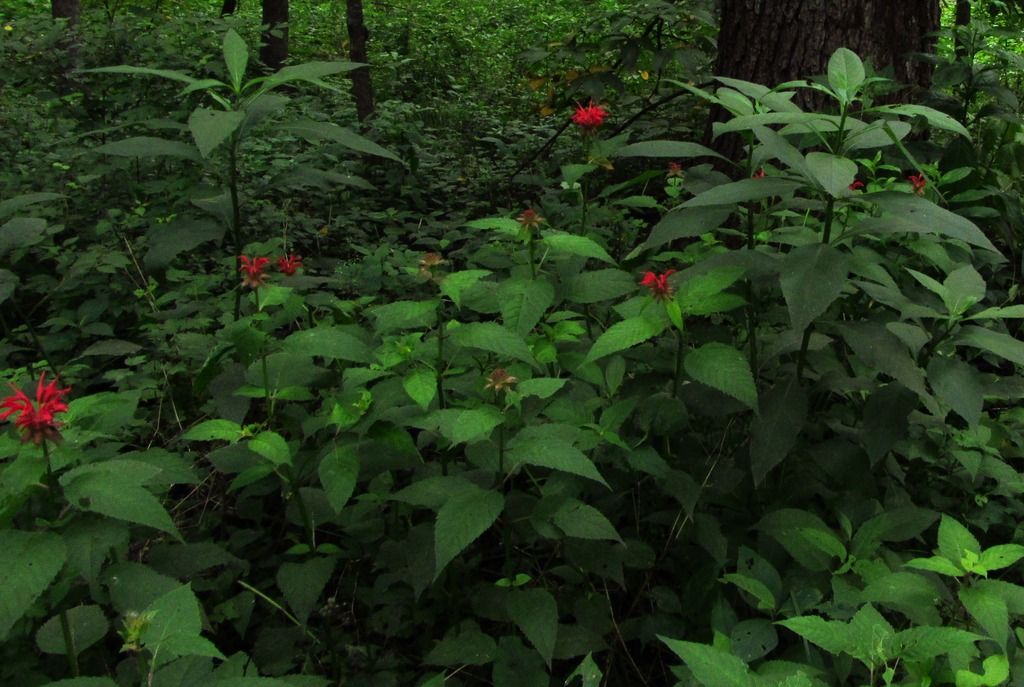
x=725 y=369
x=677 y=150
x=813 y=277
x=214 y=430
x=455 y=283
x=555 y=454
x=833 y=173
x=774 y=432
x=86 y=624
x=404 y=315
x=935 y=564
x=327 y=131
x=789 y=527
x=588 y=672
x=492 y=337
x=115 y=488
x=210 y=128
x=501 y=225
x=1001 y=556
x=302 y=584
x=338 y=472
x=469 y=646
x=148 y=146
x=524 y=302
x=600 y=285
x=757 y=589
x=958 y=385
x=997 y=343
x=573 y=244
x=541 y=387
x=625 y=334
x=174 y=627
x=535 y=613
x=331 y=342
x=743 y=191
x=955 y=540
x=996 y=671
x=236 y=57
x=462 y=520
x=271 y=446
x=577 y=519
x=711 y=667
x=29 y=562
x=421 y=386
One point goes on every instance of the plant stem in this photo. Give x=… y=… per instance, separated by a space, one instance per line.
x=69 y=643
x=307 y=523
x=263 y=367
x=532 y=248
x=65 y=625
x=236 y=212
x=679 y=365
x=440 y=356
x=826 y=236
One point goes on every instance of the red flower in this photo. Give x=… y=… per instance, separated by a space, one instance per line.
x=658 y=284
x=918 y=182
x=36 y=422
x=289 y=264
x=589 y=117
x=675 y=169
x=253 y=275
x=529 y=219
x=759 y=174
x=857 y=183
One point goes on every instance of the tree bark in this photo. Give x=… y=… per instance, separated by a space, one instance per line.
x=358 y=34
x=773 y=41
x=274 y=51
x=66 y=9
x=228 y=7
x=961 y=20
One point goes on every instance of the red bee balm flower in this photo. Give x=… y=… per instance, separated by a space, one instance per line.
x=857 y=183
x=674 y=170
x=658 y=284
x=918 y=182
x=589 y=117
x=36 y=421
x=759 y=174
x=529 y=219
x=289 y=264
x=253 y=275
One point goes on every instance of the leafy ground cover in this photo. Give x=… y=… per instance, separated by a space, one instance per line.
x=301 y=403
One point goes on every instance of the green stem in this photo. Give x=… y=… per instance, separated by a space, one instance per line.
x=69 y=643
x=826 y=236
x=65 y=626
x=440 y=356
x=263 y=367
x=307 y=523
x=531 y=246
x=236 y=212
x=679 y=365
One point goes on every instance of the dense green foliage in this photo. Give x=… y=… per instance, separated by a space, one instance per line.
x=544 y=403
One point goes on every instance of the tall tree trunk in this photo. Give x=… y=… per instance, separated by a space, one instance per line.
x=66 y=9
x=358 y=34
x=274 y=51
x=228 y=7
x=781 y=40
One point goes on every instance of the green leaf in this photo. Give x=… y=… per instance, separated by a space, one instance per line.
x=210 y=128
x=989 y=611
x=524 y=302
x=236 y=57
x=935 y=564
x=681 y=224
x=964 y=288
x=87 y=625
x=331 y=342
x=469 y=646
x=492 y=337
x=326 y=131
x=955 y=540
x=791 y=527
x=813 y=277
x=1001 y=556
x=541 y=387
x=29 y=562
x=774 y=432
x=725 y=369
x=957 y=384
x=21 y=232
x=126 y=69
x=463 y=425
x=572 y=244
x=756 y=588
x=743 y=191
x=148 y=146
x=174 y=627
x=701 y=294
x=404 y=315
x=311 y=72
x=115 y=488
x=753 y=639
x=421 y=386
x=832 y=636
x=455 y=283
x=214 y=430
x=338 y=471
x=553 y=453
x=996 y=671
x=588 y=672
x=909 y=213
x=845 y=73
x=911 y=594
x=670 y=149
x=582 y=521
x=625 y=334
x=502 y=225
x=461 y=521
x=83 y=682
x=939 y=120
x=711 y=667
x=302 y=584
x=920 y=644
x=833 y=173
x=997 y=343
x=535 y=613
x=271 y=446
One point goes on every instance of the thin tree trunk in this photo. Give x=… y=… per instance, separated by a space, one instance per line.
x=358 y=34
x=66 y=9
x=274 y=51
x=228 y=7
x=961 y=20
